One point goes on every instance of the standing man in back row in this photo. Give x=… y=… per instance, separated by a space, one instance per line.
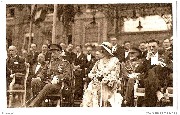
x=32 y=55
x=117 y=50
x=79 y=72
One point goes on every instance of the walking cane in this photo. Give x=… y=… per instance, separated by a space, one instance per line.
x=85 y=80
x=101 y=100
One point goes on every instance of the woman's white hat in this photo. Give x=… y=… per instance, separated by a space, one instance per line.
x=107 y=46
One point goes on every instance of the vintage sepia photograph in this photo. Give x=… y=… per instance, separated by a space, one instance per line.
x=90 y=55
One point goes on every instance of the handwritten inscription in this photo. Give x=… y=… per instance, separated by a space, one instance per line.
x=7 y=113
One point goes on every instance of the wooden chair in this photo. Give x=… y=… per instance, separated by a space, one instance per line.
x=21 y=91
x=61 y=100
x=57 y=97
x=64 y=97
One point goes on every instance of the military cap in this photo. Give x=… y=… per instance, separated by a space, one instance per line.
x=135 y=49
x=55 y=47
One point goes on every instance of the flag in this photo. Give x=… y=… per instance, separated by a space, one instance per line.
x=33 y=11
x=38 y=13
x=33 y=8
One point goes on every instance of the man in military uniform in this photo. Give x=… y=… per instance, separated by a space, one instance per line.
x=59 y=70
x=129 y=74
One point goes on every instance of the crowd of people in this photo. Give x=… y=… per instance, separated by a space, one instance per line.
x=103 y=75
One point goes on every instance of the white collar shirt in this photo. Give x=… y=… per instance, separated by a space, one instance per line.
x=37 y=67
x=78 y=54
x=89 y=57
x=126 y=53
x=154 y=59
x=114 y=48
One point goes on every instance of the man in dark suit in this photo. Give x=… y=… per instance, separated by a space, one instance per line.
x=15 y=64
x=45 y=51
x=152 y=58
x=70 y=54
x=16 y=70
x=153 y=63
x=63 y=46
x=168 y=54
x=90 y=61
x=32 y=55
x=79 y=73
x=59 y=70
x=117 y=50
x=38 y=74
x=127 y=47
x=166 y=44
x=142 y=47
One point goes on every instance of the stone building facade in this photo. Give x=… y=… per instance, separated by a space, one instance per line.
x=81 y=32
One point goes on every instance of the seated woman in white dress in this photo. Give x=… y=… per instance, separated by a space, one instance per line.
x=102 y=90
